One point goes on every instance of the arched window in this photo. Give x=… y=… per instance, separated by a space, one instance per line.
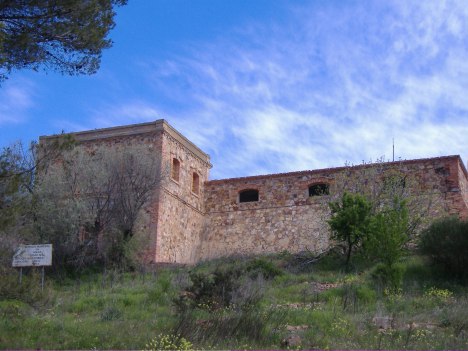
x=175 y=171
x=249 y=195
x=195 y=183
x=319 y=189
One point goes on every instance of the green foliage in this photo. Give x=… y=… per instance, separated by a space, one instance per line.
x=350 y=221
x=18 y=170
x=210 y=290
x=388 y=277
x=388 y=234
x=168 y=342
x=111 y=313
x=124 y=311
x=445 y=242
x=67 y=36
x=28 y=291
x=267 y=269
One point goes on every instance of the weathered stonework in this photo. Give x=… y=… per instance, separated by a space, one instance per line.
x=192 y=218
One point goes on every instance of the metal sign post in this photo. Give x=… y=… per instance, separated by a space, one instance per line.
x=42 y=279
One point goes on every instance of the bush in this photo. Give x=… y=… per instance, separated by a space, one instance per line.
x=28 y=291
x=445 y=242
x=210 y=290
x=266 y=268
x=388 y=277
x=168 y=342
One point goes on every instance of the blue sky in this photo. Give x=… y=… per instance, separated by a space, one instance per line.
x=269 y=86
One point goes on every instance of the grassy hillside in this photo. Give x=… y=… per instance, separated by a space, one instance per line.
x=272 y=302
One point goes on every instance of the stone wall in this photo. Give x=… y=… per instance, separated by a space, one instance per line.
x=172 y=221
x=462 y=201
x=181 y=214
x=286 y=218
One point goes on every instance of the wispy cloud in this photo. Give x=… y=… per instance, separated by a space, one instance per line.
x=331 y=84
x=16 y=98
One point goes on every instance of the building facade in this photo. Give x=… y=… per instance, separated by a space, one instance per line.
x=192 y=218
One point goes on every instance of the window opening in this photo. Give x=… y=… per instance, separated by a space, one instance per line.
x=195 y=183
x=175 y=169
x=249 y=195
x=319 y=189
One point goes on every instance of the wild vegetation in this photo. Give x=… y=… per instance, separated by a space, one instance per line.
x=279 y=301
x=87 y=203
x=371 y=291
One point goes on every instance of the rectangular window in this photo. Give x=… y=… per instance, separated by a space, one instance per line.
x=175 y=171
x=195 y=183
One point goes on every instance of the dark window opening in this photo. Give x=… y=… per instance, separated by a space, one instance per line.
x=195 y=183
x=248 y=195
x=175 y=169
x=319 y=189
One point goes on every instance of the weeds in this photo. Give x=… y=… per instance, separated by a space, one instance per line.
x=228 y=305
x=168 y=342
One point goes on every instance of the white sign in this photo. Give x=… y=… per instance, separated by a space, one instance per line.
x=33 y=255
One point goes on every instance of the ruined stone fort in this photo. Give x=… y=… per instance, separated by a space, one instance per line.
x=192 y=218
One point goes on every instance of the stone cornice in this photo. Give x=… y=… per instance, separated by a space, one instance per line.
x=134 y=130
x=112 y=132
x=194 y=151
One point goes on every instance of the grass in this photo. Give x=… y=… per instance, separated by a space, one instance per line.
x=323 y=305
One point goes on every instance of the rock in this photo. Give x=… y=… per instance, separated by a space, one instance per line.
x=291 y=341
x=296 y=327
x=383 y=322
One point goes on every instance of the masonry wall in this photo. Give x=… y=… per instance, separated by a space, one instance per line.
x=147 y=145
x=286 y=218
x=146 y=142
x=461 y=202
x=181 y=215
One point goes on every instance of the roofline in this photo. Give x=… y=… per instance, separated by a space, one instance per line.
x=130 y=130
x=336 y=169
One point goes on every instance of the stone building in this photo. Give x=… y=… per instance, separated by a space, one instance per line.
x=192 y=218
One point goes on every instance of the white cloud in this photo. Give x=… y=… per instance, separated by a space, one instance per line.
x=16 y=98
x=331 y=83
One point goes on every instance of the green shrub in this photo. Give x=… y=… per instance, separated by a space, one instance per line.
x=111 y=313
x=388 y=277
x=210 y=290
x=168 y=342
x=445 y=242
x=266 y=268
x=28 y=291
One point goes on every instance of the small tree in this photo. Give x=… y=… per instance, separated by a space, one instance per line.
x=350 y=221
x=388 y=234
x=381 y=182
x=385 y=243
